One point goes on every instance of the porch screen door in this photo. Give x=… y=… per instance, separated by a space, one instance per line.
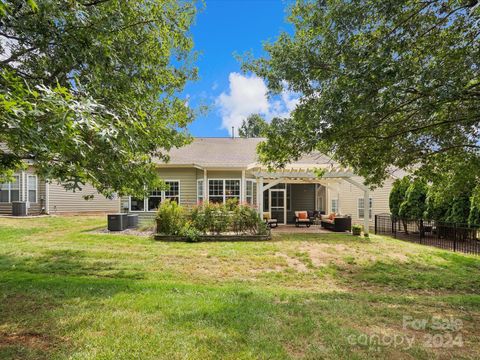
x=277 y=204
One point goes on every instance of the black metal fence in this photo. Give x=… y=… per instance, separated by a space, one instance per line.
x=448 y=236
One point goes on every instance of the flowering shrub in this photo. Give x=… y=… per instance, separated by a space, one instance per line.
x=209 y=219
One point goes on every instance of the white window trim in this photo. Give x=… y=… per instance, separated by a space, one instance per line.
x=370 y=208
x=162 y=196
x=28 y=188
x=9 y=190
x=224 y=196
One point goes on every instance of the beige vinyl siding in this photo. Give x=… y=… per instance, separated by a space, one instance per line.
x=188 y=183
x=63 y=201
x=348 y=195
x=188 y=190
x=224 y=174
x=35 y=208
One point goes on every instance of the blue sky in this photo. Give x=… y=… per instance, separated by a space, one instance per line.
x=223 y=28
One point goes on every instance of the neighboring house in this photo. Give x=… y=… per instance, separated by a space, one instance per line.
x=51 y=198
x=217 y=169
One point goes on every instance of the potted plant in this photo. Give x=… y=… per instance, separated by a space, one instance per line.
x=356 y=230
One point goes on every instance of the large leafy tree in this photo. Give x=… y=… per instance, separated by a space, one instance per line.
x=88 y=88
x=397 y=195
x=413 y=206
x=253 y=126
x=382 y=83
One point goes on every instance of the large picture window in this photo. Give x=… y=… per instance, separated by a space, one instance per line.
x=10 y=191
x=361 y=208
x=155 y=197
x=220 y=190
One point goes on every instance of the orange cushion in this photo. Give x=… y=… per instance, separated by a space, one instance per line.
x=331 y=216
x=302 y=215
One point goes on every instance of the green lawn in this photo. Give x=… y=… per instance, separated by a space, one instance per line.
x=69 y=293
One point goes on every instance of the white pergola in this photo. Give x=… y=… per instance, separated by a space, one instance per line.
x=307 y=174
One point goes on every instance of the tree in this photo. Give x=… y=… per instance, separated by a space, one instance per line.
x=88 y=88
x=474 y=215
x=413 y=207
x=382 y=83
x=253 y=126
x=397 y=195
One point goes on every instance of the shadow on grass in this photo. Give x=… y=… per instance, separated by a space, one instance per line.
x=35 y=287
x=68 y=262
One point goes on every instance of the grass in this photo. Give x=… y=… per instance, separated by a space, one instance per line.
x=67 y=292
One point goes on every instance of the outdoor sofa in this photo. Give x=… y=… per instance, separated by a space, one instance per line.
x=336 y=223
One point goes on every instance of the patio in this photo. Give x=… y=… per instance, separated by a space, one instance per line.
x=316 y=172
x=313 y=229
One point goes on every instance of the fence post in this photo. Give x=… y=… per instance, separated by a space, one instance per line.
x=376 y=224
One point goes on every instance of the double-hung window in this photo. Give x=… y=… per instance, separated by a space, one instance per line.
x=154 y=200
x=32 y=188
x=361 y=208
x=220 y=190
x=10 y=191
x=173 y=191
x=249 y=190
x=156 y=197
x=334 y=205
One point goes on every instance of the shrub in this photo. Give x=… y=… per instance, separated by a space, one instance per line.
x=356 y=229
x=190 y=232
x=231 y=204
x=170 y=218
x=221 y=219
x=245 y=219
x=208 y=218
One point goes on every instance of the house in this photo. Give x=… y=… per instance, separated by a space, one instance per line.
x=51 y=198
x=218 y=169
x=215 y=170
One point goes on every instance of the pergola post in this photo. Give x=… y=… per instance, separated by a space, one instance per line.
x=260 y=196
x=366 y=211
x=243 y=189
x=205 y=187
x=366 y=204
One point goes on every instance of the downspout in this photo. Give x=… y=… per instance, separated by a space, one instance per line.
x=47 y=197
x=24 y=184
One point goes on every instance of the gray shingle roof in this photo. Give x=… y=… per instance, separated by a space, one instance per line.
x=228 y=152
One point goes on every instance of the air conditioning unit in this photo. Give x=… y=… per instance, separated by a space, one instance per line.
x=19 y=208
x=132 y=221
x=117 y=222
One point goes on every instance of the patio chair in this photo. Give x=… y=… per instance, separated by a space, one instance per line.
x=272 y=223
x=302 y=218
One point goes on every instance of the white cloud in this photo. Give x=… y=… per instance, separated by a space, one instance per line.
x=248 y=95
